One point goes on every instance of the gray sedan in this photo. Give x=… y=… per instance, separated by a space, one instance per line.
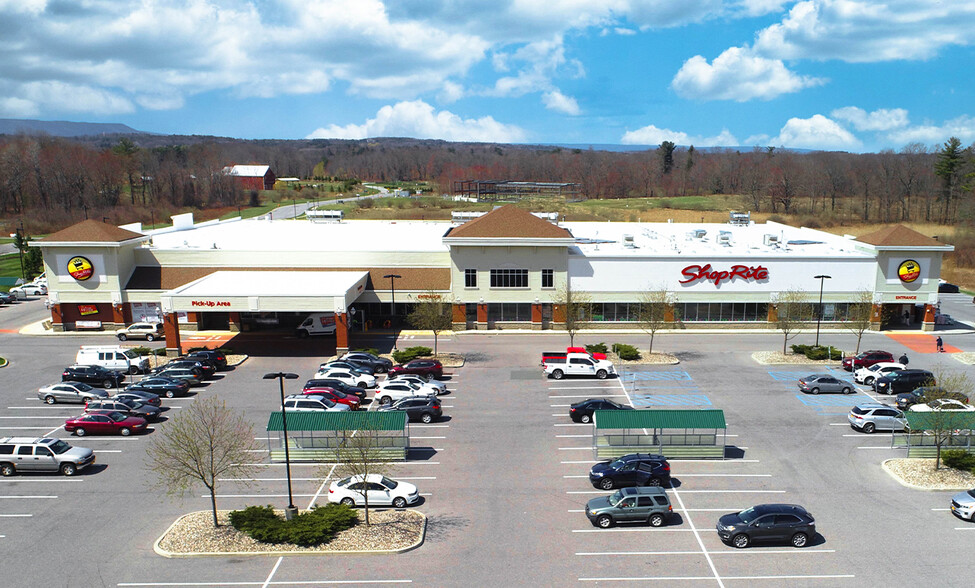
x=816 y=383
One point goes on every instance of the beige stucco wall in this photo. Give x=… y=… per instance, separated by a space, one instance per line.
x=484 y=259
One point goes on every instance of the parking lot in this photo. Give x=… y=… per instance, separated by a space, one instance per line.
x=504 y=480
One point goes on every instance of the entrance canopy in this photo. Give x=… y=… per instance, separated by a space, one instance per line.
x=268 y=291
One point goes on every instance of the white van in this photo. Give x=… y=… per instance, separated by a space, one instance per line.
x=319 y=323
x=113 y=357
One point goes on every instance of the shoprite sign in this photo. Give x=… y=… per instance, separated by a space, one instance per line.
x=693 y=273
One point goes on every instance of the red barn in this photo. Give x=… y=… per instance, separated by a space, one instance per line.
x=252 y=177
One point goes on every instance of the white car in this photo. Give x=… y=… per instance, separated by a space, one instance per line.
x=866 y=375
x=312 y=403
x=23 y=291
x=392 y=390
x=380 y=490
x=441 y=388
x=352 y=379
x=943 y=404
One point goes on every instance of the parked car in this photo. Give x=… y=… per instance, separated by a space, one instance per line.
x=351 y=378
x=633 y=469
x=347 y=365
x=816 y=383
x=138 y=396
x=780 y=523
x=903 y=381
x=907 y=399
x=873 y=416
x=866 y=375
x=866 y=359
x=337 y=385
x=23 y=291
x=380 y=490
x=312 y=403
x=105 y=423
x=581 y=412
x=440 y=387
x=29 y=454
x=940 y=404
x=947 y=288
x=190 y=376
x=963 y=505
x=334 y=396
x=147 y=331
x=630 y=505
x=379 y=365
x=215 y=356
x=425 y=409
x=428 y=368
x=93 y=374
x=161 y=386
x=392 y=390
x=128 y=407
x=75 y=392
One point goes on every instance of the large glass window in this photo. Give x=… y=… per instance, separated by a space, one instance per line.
x=548 y=278
x=470 y=278
x=691 y=312
x=509 y=312
x=509 y=278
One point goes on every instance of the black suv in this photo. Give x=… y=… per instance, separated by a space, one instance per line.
x=93 y=374
x=780 y=523
x=214 y=356
x=336 y=385
x=903 y=381
x=379 y=365
x=581 y=412
x=425 y=409
x=634 y=469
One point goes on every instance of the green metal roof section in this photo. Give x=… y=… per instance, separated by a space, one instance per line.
x=930 y=421
x=393 y=420
x=660 y=419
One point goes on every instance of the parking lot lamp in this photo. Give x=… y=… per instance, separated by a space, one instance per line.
x=291 y=511
x=819 y=311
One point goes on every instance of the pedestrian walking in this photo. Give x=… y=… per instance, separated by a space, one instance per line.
x=903 y=360
x=940 y=343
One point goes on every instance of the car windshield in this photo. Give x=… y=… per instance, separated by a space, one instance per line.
x=616 y=497
x=748 y=515
x=391 y=484
x=59 y=447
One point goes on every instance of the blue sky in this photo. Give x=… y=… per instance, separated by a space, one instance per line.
x=852 y=75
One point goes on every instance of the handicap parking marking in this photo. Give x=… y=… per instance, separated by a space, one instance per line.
x=671 y=400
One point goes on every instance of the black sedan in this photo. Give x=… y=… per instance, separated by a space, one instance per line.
x=778 y=523
x=581 y=412
x=425 y=409
x=160 y=386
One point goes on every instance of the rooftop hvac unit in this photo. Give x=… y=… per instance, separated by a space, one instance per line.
x=770 y=240
x=724 y=238
x=740 y=218
x=628 y=242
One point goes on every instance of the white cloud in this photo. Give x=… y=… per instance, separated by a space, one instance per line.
x=878 y=120
x=651 y=135
x=418 y=119
x=962 y=127
x=816 y=132
x=559 y=102
x=738 y=75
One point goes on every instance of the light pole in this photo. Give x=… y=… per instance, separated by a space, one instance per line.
x=819 y=312
x=291 y=511
x=392 y=300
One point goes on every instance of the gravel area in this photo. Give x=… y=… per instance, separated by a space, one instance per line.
x=920 y=473
x=777 y=357
x=390 y=530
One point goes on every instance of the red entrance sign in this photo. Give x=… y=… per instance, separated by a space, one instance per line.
x=209 y=303
x=693 y=273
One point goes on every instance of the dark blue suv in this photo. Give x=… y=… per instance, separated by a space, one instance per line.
x=634 y=469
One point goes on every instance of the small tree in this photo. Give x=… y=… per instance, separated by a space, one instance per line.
x=654 y=304
x=577 y=307
x=792 y=311
x=858 y=315
x=432 y=313
x=205 y=442
x=360 y=454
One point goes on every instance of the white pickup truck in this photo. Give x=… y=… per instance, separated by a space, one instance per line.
x=559 y=365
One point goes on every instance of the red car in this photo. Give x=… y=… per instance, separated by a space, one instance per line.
x=866 y=359
x=428 y=368
x=335 y=396
x=105 y=423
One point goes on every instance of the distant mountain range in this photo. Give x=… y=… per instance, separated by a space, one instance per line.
x=62 y=128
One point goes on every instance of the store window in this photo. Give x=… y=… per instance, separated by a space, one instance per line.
x=548 y=278
x=699 y=312
x=509 y=312
x=470 y=278
x=509 y=278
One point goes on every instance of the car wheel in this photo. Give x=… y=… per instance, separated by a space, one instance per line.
x=426 y=418
x=656 y=520
x=847 y=391
x=740 y=541
x=604 y=521
x=606 y=484
x=348 y=501
x=653 y=482
x=814 y=391
x=800 y=540
x=7 y=470
x=586 y=418
x=125 y=431
x=107 y=384
x=557 y=375
x=385 y=401
x=122 y=337
x=399 y=502
x=869 y=428
x=50 y=399
x=150 y=337
x=601 y=374
x=80 y=431
x=69 y=469
x=170 y=394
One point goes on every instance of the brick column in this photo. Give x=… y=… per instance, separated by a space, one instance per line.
x=929 y=312
x=171 y=330
x=341 y=333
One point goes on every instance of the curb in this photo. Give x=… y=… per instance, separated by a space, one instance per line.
x=178 y=555
x=907 y=484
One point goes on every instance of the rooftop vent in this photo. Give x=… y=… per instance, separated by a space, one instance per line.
x=740 y=218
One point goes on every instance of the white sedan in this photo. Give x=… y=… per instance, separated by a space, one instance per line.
x=866 y=375
x=345 y=376
x=392 y=390
x=436 y=386
x=943 y=404
x=380 y=490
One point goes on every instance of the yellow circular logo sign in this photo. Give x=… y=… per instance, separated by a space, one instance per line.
x=80 y=268
x=909 y=271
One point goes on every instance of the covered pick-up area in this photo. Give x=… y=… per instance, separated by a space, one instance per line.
x=672 y=433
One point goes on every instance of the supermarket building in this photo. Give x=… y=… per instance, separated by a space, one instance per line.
x=505 y=269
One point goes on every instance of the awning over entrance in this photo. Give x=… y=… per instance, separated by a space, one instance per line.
x=268 y=291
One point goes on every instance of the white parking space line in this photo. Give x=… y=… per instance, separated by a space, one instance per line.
x=737 y=552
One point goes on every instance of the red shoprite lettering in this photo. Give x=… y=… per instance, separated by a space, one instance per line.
x=697 y=272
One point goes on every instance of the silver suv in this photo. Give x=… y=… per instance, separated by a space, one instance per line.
x=28 y=454
x=870 y=416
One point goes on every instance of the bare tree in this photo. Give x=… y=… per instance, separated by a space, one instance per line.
x=433 y=312
x=858 y=315
x=205 y=442
x=361 y=455
x=792 y=311
x=654 y=304
x=577 y=307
